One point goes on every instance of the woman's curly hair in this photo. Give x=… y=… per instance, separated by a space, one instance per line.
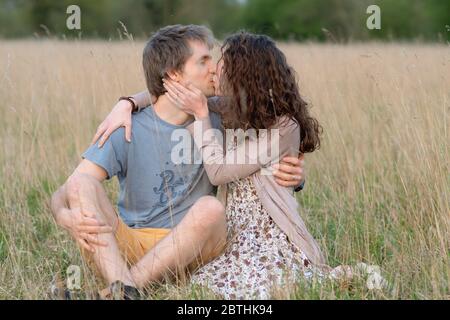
x=261 y=87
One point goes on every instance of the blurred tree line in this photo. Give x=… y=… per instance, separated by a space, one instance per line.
x=338 y=20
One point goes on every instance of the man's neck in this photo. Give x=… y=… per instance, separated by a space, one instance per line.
x=169 y=112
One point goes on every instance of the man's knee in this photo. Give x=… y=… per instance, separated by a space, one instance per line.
x=209 y=212
x=80 y=183
x=77 y=181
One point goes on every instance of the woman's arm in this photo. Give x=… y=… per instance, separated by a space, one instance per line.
x=224 y=167
x=143 y=99
x=249 y=156
x=120 y=116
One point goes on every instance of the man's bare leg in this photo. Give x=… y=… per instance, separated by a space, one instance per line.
x=88 y=194
x=199 y=234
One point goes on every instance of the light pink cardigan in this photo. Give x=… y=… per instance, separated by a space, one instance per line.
x=279 y=201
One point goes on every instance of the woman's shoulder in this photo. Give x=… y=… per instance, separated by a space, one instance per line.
x=286 y=125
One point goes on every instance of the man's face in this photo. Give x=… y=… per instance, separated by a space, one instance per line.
x=199 y=68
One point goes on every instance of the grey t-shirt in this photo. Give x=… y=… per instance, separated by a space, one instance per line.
x=155 y=191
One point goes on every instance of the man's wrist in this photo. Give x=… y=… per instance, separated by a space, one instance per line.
x=300 y=186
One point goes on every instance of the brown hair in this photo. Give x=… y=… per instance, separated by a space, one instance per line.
x=261 y=87
x=167 y=50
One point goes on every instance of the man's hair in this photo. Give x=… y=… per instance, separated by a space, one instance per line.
x=167 y=50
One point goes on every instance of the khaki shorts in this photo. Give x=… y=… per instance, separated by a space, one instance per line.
x=135 y=243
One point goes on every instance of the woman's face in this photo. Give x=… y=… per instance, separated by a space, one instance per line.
x=217 y=77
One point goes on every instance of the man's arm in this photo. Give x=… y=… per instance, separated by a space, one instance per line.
x=72 y=206
x=290 y=172
x=91 y=169
x=301 y=186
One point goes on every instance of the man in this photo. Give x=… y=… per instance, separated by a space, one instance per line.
x=169 y=219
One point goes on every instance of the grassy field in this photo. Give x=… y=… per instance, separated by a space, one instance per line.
x=378 y=190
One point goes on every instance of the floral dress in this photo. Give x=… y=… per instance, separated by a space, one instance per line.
x=258 y=255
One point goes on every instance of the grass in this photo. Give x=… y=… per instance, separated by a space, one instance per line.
x=377 y=191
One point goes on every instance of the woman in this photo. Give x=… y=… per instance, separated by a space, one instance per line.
x=268 y=242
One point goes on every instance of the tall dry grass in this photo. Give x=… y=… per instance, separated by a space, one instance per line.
x=377 y=191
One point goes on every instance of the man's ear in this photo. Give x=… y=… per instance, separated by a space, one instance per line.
x=174 y=76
